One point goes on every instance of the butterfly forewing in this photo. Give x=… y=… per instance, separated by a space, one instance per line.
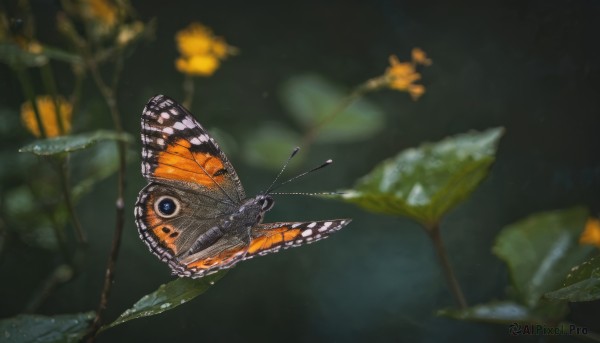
x=176 y=149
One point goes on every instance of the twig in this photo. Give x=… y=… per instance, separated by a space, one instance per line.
x=63 y=174
x=109 y=97
x=434 y=233
x=359 y=91
x=188 y=91
x=30 y=95
x=48 y=80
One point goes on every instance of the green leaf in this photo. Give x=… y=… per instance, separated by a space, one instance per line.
x=62 y=144
x=167 y=297
x=270 y=145
x=310 y=99
x=502 y=312
x=426 y=182
x=581 y=284
x=540 y=250
x=35 y=328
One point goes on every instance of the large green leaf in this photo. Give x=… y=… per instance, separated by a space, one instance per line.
x=167 y=297
x=582 y=283
x=62 y=144
x=310 y=99
x=426 y=182
x=540 y=250
x=35 y=328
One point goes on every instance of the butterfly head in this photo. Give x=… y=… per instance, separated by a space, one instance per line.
x=254 y=208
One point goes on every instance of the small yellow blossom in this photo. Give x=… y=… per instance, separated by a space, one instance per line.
x=199 y=65
x=591 y=233
x=196 y=39
x=416 y=91
x=127 y=33
x=420 y=57
x=103 y=11
x=48 y=114
x=201 y=52
x=401 y=74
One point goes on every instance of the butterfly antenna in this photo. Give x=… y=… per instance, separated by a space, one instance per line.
x=294 y=152
x=328 y=162
x=309 y=194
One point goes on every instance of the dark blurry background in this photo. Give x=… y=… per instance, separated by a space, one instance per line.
x=530 y=66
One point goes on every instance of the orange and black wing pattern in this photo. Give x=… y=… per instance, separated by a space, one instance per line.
x=265 y=239
x=177 y=150
x=272 y=237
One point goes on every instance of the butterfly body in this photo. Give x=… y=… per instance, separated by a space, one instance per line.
x=194 y=214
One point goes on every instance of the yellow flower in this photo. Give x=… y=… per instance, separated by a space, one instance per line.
x=48 y=114
x=196 y=39
x=128 y=33
x=401 y=75
x=416 y=91
x=201 y=52
x=199 y=65
x=102 y=11
x=591 y=233
x=420 y=57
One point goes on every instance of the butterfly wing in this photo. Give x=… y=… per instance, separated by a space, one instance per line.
x=171 y=238
x=265 y=239
x=271 y=237
x=176 y=150
x=182 y=161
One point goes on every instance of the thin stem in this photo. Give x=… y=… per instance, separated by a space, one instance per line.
x=63 y=173
x=110 y=98
x=359 y=91
x=50 y=84
x=30 y=95
x=188 y=91
x=436 y=238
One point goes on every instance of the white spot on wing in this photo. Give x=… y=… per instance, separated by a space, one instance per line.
x=307 y=233
x=311 y=225
x=325 y=226
x=179 y=126
x=168 y=130
x=189 y=123
x=165 y=115
x=195 y=141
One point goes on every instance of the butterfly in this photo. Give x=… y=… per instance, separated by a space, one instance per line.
x=194 y=214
